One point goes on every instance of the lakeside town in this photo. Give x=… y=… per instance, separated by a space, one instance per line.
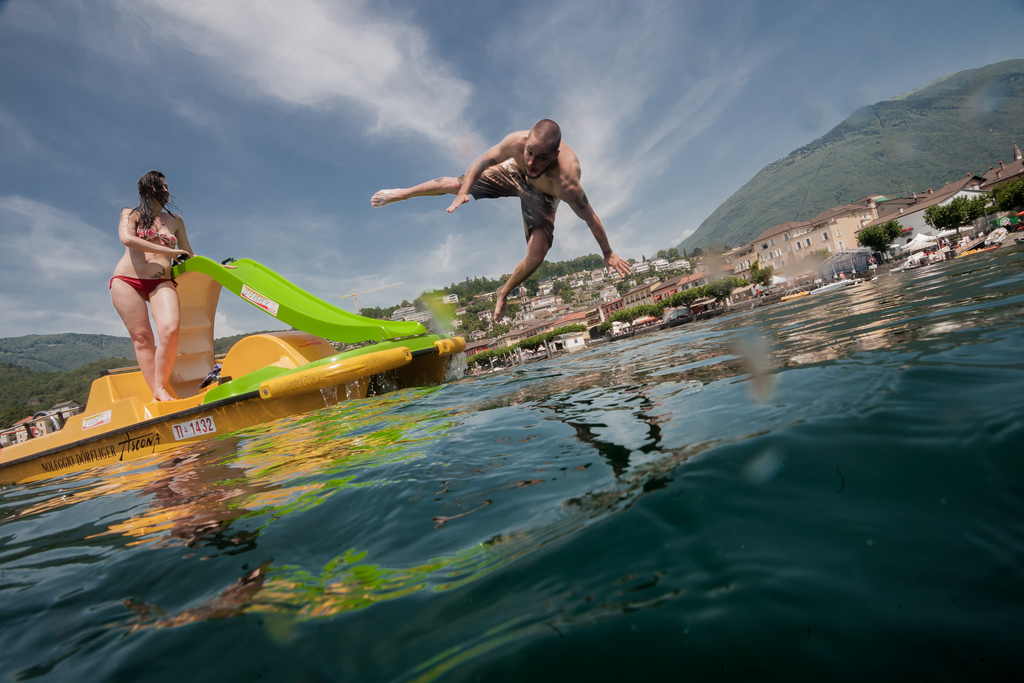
x=798 y=256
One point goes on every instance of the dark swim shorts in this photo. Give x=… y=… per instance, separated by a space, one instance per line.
x=508 y=180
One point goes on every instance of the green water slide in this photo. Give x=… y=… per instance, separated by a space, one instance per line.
x=292 y=305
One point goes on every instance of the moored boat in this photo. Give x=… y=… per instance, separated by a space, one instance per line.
x=263 y=377
x=795 y=293
x=832 y=286
x=977 y=250
x=673 y=317
x=996 y=237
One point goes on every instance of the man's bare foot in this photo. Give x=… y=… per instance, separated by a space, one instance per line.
x=499 y=308
x=385 y=197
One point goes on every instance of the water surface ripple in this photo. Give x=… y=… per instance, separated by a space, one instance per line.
x=828 y=488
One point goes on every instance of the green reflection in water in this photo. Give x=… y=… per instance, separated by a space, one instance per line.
x=268 y=471
x=290 y=594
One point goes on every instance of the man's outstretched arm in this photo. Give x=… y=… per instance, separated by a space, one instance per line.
x=495 y=155
x=577 y=199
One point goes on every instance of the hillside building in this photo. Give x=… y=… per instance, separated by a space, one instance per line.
x=786 y=246
x=638 y=295
x=911 y=216
x=1004 y=173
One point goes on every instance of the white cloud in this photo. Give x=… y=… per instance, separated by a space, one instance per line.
x=92 y=314
x=16 y=137
x=630 y=103
x=18 y=142
x=317 y=54
x=442 y=255
x=456 y=257
x=224 y=329
x=198 y=114
x=56 y=278
x=54 y=244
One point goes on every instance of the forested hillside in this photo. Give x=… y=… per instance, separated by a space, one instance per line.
x=962 y=123
x=63 y=352
x=56 y=352
x=24 y=391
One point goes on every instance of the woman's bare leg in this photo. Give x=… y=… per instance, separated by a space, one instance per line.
x=130 y=305
x=431 y=188
x=166 y=310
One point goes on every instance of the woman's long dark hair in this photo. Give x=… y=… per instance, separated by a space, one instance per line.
x=150 y=187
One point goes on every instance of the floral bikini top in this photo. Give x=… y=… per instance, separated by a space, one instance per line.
x=152 y=235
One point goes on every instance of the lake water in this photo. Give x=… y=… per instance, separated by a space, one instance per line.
x=825 y=489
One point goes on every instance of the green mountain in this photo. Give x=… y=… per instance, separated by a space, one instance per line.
x=24 y=391
x=37 y=371
x=961 y=123
x=62 y=352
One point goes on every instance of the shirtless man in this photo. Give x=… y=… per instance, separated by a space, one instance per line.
x=540 y=169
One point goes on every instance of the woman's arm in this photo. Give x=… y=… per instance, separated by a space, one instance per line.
x=126 y=233
x=182 y=236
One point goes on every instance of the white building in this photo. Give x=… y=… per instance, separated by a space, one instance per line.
x=572 y=341
x=400 y=313
x=909 y=212
x=546 y=301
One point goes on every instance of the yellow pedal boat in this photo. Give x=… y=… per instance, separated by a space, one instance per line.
x=263 y=377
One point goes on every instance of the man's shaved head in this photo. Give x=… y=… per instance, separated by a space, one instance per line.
x=547 y=133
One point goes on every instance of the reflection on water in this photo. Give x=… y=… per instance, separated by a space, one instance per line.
x=891 y=311
x=747 y=477
x=264 y=472
x=230 y=603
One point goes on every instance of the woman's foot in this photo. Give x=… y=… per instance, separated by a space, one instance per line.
x=162 y=394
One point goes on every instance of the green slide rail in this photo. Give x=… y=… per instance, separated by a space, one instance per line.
x=294 y=306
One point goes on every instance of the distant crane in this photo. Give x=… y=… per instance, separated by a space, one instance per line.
x=355 y=294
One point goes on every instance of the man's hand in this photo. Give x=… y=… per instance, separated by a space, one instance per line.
x=460 y=199
x=499 y=307
x=612 y=261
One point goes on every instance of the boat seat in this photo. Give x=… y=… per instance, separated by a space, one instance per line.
x=116 y=388
x=289 y=349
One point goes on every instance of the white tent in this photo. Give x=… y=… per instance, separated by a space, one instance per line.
x=918 y=243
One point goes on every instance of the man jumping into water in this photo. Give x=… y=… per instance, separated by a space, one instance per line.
x=540 y=169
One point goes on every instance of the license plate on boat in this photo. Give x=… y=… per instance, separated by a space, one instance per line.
x=193 y=428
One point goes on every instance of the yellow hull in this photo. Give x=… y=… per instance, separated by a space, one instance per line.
x=63 y=454
x=118 y=425
x=976 y=251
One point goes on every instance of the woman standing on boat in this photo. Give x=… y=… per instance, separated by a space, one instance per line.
x=153 y=237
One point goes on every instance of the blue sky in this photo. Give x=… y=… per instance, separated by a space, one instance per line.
x=275 y=122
